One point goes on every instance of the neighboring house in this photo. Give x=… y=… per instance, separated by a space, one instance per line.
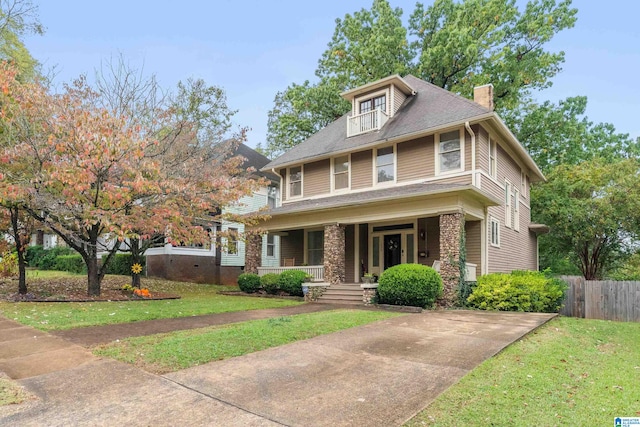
x=397 y=179
x=221 y=263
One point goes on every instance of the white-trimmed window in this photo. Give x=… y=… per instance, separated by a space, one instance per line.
x=516 y=210
x=373 y=104
x=450 y=151
x=232 y=241
x=315 y=247
x=493 y=158
x=271 y=245
x=385 y=164
x=295 y=181
x=495 y=232
x=507 y=204
x=341 y=169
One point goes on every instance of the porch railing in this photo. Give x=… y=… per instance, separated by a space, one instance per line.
x=371 y=120
x=317 y=271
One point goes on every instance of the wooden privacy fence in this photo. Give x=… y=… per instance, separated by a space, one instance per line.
x=602 y=299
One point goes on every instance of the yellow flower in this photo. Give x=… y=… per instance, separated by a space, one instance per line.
x=136 y=268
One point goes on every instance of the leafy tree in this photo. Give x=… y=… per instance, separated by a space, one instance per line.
x=455 y=45
x=17 y=19
x=560 y=133
x=593 y=209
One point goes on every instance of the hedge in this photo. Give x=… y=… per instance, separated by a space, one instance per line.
x=409 y=284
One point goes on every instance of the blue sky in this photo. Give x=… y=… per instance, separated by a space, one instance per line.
x=254 y=49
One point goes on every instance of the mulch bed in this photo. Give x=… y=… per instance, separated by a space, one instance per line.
x=71 y=289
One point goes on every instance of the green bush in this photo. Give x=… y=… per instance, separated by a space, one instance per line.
x=530 y=291
x=291 y=282
x=121 y=264
x=70 y=263
x=249 y=282
x=409 y=284
x=45 y=259
x=269 y=283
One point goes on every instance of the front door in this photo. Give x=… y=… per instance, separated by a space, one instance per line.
x=392 y=250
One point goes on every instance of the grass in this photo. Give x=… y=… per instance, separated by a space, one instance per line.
x=196 y=299
x=11 y=393
x=179 y=350
x=569 y=372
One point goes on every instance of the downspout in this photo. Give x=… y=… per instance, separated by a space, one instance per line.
x=281 y=184
x=473 y=153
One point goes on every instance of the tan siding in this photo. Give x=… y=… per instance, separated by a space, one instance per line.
x=317 y=178
x=467 y=150
x=361 y=169
x=415 y=159
x=473 y=235
x=349 y=236
x=482 y=148
x=464 y=179
x=283 y=173
x=292 y=246
x=398 y=98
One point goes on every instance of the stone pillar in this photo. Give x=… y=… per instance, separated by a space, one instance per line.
x=334 y=259
x=253 y=253
x=451 y=228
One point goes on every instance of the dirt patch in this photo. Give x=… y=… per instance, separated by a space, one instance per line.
x=72 y=289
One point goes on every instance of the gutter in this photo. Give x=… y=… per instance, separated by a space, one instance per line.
x=473 y=152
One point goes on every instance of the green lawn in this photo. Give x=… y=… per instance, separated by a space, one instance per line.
x=572 y=372
x=179 y=350
x=196 y=299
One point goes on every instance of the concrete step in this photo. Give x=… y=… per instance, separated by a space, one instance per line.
x=346 y=287
x=357 y=294
x=341 y=297
x=339 y=301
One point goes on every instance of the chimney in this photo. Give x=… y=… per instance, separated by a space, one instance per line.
x=483 y=95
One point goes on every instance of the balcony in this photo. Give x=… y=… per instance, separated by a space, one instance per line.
x=365 y=122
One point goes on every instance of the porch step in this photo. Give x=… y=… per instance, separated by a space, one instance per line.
x=342 y=294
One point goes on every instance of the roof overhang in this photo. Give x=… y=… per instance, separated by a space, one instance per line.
x=539 y=228
x=395 y=80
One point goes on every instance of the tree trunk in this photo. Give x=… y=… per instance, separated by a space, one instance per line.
x=20 y=248
x=93 y=274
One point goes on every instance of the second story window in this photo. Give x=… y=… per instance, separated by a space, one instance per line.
x=295 y=181
x=450 y=152
x=341 y=173
x=385 y=165
x=374 y=104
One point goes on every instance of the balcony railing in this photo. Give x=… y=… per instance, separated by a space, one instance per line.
x=317 y=271
x=365 y=122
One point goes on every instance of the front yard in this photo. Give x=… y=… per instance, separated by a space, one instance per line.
x=571 y=371
x=195 y=300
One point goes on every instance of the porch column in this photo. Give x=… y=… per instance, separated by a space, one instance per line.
x=334 y=259
x=253 y=252
x=451 y=229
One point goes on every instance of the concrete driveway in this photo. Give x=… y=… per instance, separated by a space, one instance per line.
x=379 y=374
x=376 y=375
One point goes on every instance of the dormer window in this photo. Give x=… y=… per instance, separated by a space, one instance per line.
x=373 y=104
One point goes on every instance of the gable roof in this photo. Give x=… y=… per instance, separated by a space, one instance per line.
x=429 y=110
x=256 y=160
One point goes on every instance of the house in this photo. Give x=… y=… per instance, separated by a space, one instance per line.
x=221 y=261
x=413 y=174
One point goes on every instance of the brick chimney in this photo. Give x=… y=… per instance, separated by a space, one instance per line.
x=483 y=95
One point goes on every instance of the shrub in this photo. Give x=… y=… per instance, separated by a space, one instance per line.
x=45 y=259
x=269 y=283
x=530 y=291
x=70 y=263
x=121 y=264
x=291 y=282
x=409 y=284
x=9 y=264
x=249 y=282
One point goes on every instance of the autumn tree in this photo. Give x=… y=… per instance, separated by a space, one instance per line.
x=593 y=208
x=455 y=45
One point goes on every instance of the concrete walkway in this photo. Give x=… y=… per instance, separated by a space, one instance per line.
x=377 y=374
